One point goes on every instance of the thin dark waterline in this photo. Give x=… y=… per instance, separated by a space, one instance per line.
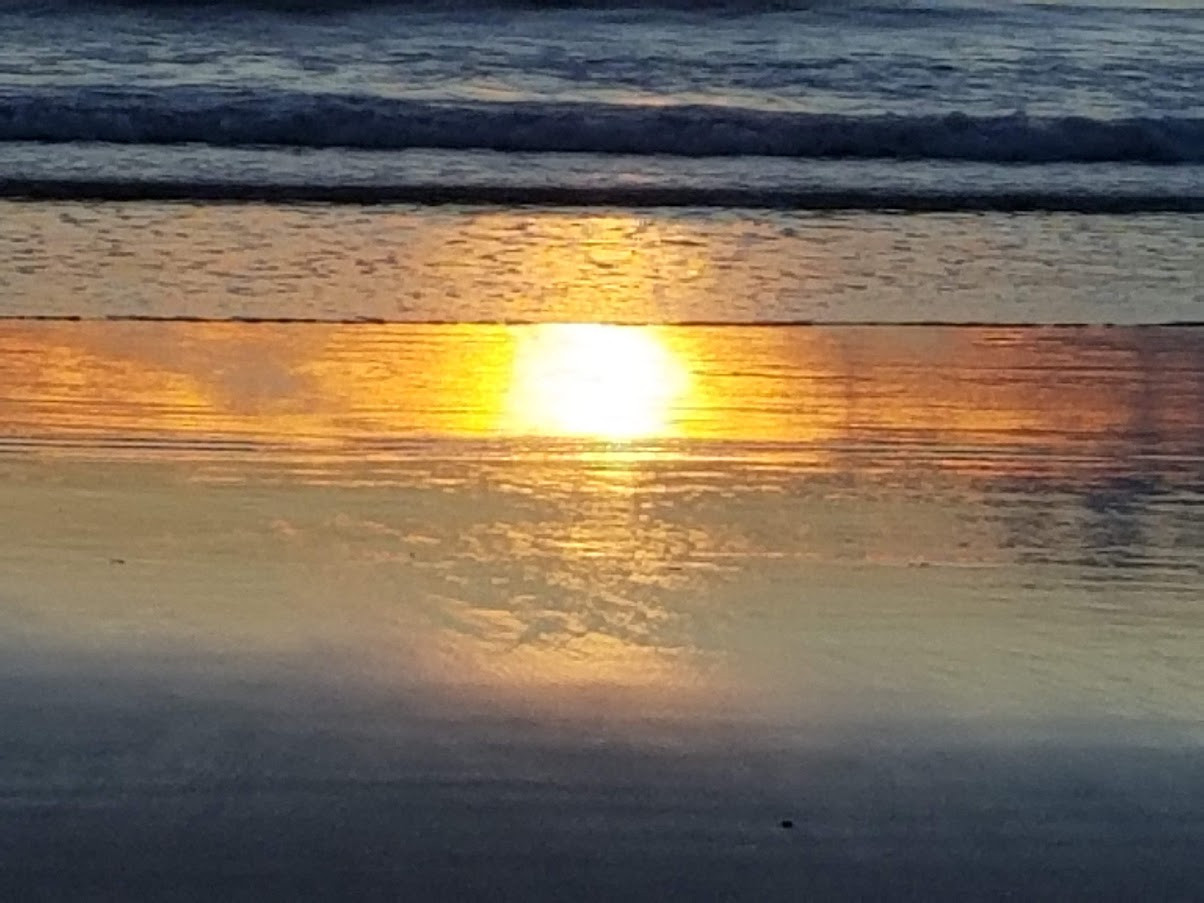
x=523 y=322
x=638 y=197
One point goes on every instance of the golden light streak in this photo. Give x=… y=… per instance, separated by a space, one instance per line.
x=317 y=386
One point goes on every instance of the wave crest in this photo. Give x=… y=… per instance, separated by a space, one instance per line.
x=239 y=118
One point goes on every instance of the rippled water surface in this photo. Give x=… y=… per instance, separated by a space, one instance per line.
x=656 y=266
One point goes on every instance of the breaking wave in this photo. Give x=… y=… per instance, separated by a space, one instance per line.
x=230 y=118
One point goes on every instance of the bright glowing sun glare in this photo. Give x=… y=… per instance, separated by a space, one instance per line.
x=610 y=382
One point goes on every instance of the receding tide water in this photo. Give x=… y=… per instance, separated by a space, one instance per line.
x=543 y=452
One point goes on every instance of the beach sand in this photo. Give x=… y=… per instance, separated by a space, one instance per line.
x=431 y=612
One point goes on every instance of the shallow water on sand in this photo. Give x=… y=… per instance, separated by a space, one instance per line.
x=946 y=512
x=466 y=264
x=471 y=609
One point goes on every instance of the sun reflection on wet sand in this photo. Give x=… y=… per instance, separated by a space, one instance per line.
x=607 y=382
x=614 y=392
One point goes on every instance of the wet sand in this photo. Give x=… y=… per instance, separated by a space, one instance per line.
x=448 y=612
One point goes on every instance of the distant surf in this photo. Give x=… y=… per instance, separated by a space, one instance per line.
x=263 y=117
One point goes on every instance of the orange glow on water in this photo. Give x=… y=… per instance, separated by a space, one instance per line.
x=333 y=385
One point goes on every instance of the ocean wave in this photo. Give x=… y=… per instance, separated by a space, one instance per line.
x=231 y=118
x=735 y=7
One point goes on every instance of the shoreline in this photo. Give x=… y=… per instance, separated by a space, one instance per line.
x=622 y=196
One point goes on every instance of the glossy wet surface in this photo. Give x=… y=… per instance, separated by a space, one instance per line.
x=509 y=610
x=474 y=264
